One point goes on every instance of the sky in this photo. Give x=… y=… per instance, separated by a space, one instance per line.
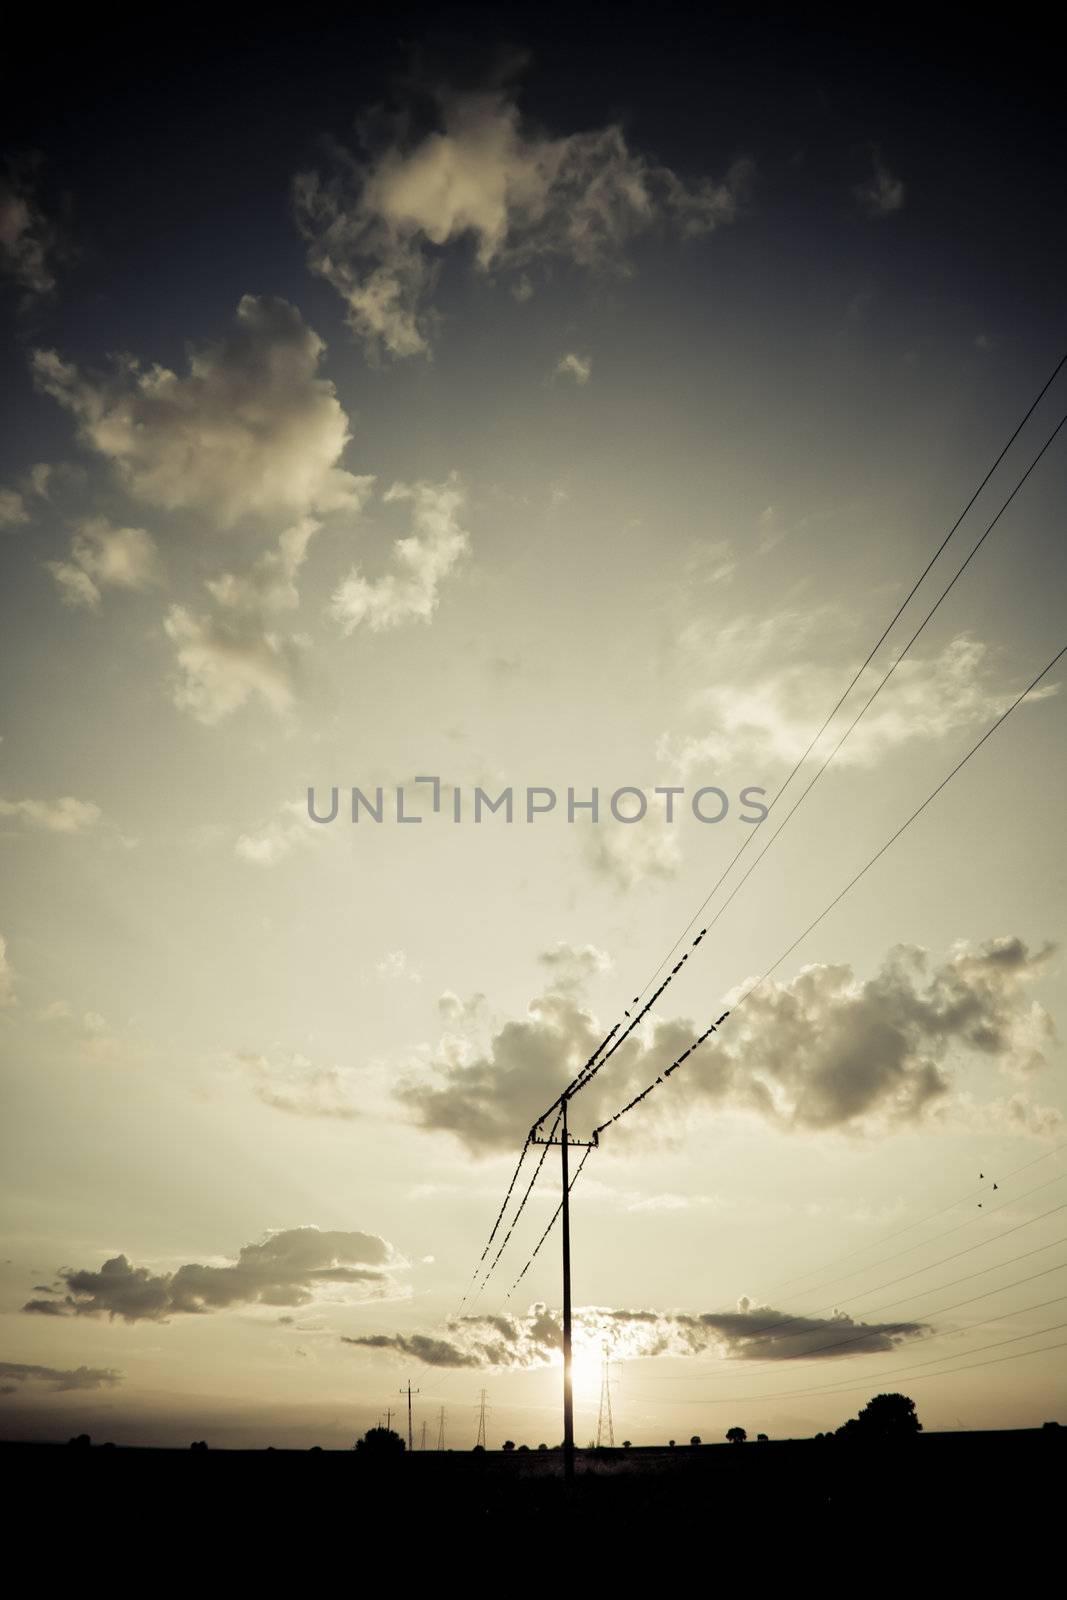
x=447 y=414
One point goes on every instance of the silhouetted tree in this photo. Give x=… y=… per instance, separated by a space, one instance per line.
x=885 y=1418
x=198 y=1444
x=509 y=1444
x=524 y=1447
x=695 y=1440
x=81 y=1441
x=736 y=1435
x=761 y=1438
x=380 y=1444
x=542 y=1447
x=479 y=1450
x=670 y=1443
x=626 y=1444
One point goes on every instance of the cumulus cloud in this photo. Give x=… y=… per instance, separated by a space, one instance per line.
x=14 y=1375
x=376 y=226
x=749 y=1333
x=104 y=557
x=291 y=1267
x=27 y=238
x=421 y=562
x=65 y=815
x=580 y=368
x=762 y=713
x=880 y=194
x=249 y=429
x=824 y=1051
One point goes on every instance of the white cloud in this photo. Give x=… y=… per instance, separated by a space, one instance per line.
x=628 y=856
x=289 y=829
x=421 y=562
x=757 y=711
x=270 y=583
x=104 y=557
x=66 y=815
x=580 y=368
x=396 y=965
x=223 y=665
x=250 y=429
x=376 y=228
x=294 y=1084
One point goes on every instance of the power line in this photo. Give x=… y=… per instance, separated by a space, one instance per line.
x=932 y=1216
x=518 y=1214
x=552 y=1222
x=866 y=663
x=496 y=1224
x=666 y=1073
x=844 y=1388
x=864 y=1331
x=851 y=884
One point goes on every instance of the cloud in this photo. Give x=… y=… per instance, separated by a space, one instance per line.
x=880 y=194
x=269 y=585
x=295 y=1085
x=224 y=663
x=580 y=368
x=291 y=1267
x=18 y=1374
x=289 y=829
x=250 y=429
x=627 y=857
x=7 y=977
x=104 y=557
x=749 y=1333
x=27 y=239
x=66 y=815
x=396 y=965
x=755 y=710
x=421 y=561
x=571 y=966
x=825 y=1051
x=376 y=227
x=13 y=513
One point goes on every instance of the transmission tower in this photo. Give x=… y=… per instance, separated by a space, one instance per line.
x=441 y=1429
x=605 y=1427
x=481 y=1420
x=422 y=1446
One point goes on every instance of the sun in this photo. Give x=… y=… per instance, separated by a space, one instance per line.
x=586 y=1372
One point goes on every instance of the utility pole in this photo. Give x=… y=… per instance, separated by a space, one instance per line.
x=411 y=1439
x=441 y=1429
x=422 y=1446
x=481 y=1420
x=566 y=1143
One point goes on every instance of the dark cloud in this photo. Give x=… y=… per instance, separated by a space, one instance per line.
x=56 y=1378
x=749 y=1333
x=288 y=1268
x=823 y=1051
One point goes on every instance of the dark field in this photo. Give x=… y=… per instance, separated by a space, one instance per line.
x=825 y=1497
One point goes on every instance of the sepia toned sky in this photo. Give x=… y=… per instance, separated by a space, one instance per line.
x=564 y=410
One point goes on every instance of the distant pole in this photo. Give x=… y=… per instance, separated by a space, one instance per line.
x=605 y=1427
x=481 y=1420
x=568 y=1381
x=411 y=1436
x=423 y=1444
x=441 y=1430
